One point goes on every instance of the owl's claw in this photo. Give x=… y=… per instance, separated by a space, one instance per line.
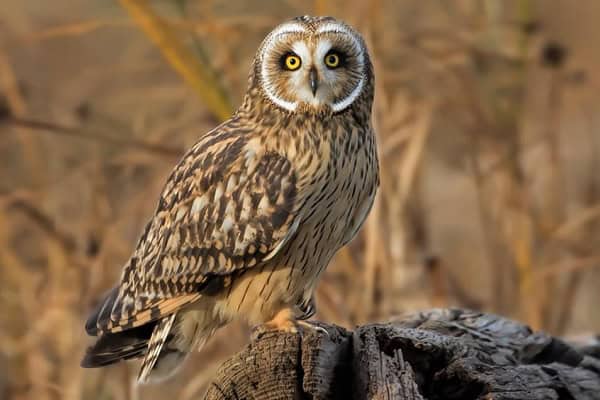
x=309 y=325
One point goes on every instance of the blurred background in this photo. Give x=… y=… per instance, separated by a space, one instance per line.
x=487 y=115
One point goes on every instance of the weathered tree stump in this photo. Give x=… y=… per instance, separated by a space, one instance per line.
x=437 y=354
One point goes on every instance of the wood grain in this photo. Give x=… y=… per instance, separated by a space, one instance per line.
x=436 y=354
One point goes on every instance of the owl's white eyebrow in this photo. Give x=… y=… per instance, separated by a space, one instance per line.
x=288 y=28
x=334 y=28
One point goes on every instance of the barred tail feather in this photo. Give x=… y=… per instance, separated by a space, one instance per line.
x=155 y=346
x=163 y=344
x=183 y=335
x=114 y=347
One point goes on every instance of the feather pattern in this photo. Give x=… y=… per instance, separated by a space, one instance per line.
x=155 y=345
x=226 y=207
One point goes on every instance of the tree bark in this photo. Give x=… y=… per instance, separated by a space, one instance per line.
x=437 y=354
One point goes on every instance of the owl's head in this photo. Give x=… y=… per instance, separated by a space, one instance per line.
x=313 y=63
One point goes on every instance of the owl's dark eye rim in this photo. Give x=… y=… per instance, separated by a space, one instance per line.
x=290 y=61
x=335 y=59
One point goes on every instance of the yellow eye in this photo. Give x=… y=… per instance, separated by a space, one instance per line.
x=292 y=62
x=332 y=60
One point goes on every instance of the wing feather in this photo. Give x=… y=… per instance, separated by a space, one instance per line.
x=229 y=205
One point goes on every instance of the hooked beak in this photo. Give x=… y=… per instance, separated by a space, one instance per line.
x=314 y=80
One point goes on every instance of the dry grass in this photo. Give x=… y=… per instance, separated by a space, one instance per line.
x=489 y=147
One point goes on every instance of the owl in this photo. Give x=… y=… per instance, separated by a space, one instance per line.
x=255 y=210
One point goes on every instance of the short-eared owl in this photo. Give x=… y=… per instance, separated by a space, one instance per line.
x=254 y=212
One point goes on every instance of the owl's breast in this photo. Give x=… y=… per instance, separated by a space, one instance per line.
x=359 y=172
x=344 y=193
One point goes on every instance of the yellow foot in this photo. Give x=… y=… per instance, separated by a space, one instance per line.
x=285 y=321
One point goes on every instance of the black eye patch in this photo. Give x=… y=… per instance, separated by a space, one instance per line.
x=290 y=61
x=341 y=55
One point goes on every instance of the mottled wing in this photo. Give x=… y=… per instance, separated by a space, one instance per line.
x=227 y=206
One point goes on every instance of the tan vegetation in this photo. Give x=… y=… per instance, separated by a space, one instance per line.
x=490 y=151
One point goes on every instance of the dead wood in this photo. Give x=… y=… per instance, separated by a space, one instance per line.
x=437 y=354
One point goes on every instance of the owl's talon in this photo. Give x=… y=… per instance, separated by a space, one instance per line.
x=308 y=325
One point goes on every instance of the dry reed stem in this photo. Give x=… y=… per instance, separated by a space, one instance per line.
x=566 y=266
x=54 y=128
x=404 y=181
x=30 y=148
x=199 y=76
x=553 y=208
x=222 y=26
x=18 y=274
x=569 y=227
x=521 y=243
x=413 y=154
x=371 y=227
x=475 y=128
x=73 y=29
x=507 y=218
x=580 y=247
